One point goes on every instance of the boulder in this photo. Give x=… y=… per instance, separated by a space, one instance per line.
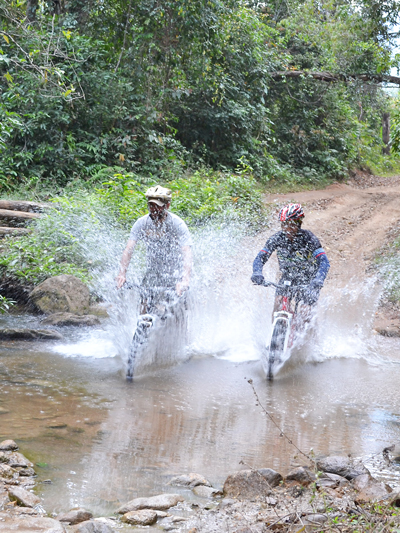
x=342 y=466
x=206 y=492
x=17 y=459
x=6 y=471
x=23 y=497
x=92 y=526
x=160 y=502
x=4 y=499
x=31 y=524
x=251 y=484
x=62 y=293
x=332 y=481
x=302 y=475
x=27 y=334
x=75 y=516
x=144 y=517
x=8 y=445
x=189 y=480
x=69 y=319
x=369 y=489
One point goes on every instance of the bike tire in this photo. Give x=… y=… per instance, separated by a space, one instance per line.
x=277 y=346
x=131 y=359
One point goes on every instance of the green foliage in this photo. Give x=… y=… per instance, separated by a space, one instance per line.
x=197 y=198
x=74 y=237
x=5 y=304
x=162 y=90
x=50 y=250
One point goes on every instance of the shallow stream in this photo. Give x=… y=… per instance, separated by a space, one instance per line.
x=102 y=441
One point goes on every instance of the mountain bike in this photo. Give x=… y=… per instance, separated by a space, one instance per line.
x=286 y=326
x=157 y=304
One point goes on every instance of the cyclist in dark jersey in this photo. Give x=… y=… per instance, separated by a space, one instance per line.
x=302 y=260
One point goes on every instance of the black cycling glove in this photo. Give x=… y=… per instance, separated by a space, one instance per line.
x=257 y=279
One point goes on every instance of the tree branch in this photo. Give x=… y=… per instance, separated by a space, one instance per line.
x=331 y=78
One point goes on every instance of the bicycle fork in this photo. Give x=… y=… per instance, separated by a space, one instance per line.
x=286 y=317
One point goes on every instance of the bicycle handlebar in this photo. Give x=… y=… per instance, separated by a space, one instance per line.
x=282 y=285
x=170 y=290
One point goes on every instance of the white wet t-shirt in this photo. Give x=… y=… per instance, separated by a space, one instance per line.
x=164 y=242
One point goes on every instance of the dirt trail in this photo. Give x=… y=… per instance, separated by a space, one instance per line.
x=353 y=222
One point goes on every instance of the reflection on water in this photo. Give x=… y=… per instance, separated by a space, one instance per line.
x=103 y=441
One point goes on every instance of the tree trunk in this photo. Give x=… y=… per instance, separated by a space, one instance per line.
x=31 y=8
x=386 y=133
x=56 y=7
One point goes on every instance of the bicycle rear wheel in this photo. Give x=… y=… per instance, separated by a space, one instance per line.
x=277 y=346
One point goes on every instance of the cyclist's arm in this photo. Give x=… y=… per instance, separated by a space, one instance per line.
x=260 y=260
x=323 y=266
x=262 y=257
x=125 y=260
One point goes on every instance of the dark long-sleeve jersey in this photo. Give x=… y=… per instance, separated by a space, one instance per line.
x=301 y=259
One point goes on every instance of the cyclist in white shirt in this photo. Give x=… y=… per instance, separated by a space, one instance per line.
x=168 y=245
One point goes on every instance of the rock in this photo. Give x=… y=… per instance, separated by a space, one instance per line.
x=68 y=319
x=6 y=471
x=251 y=484
x=26 y=472
x=160 y=502
x=341 y=466
x=75 y=516
x=62 y=293
x=26 y=334
x=32 y=524
x=144 y=517
x=332 y=481
x=4 y=499
x=17 y=459
x=393 y=499
x=315 y=520
x=302 y=475
x=206 y=492
x=177 y=519
x=8 y=445
x=369 y=489
x=92 y=526
x=23 y=497
x=189 y=480
x=98 y=310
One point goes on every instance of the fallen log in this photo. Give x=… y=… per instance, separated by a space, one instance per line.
x=21 y=215
x=20 y=205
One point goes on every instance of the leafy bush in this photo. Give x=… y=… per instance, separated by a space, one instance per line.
x=198 y=198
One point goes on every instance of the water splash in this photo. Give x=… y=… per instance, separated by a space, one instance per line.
x=227 y=316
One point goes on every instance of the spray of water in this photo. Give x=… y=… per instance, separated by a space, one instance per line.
x=227 y=317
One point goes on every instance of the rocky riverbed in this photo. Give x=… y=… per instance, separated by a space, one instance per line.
x=329 y=494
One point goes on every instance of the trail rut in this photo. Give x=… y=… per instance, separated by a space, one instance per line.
x=353 y=222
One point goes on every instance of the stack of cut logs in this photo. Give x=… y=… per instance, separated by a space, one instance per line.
x=14 y=215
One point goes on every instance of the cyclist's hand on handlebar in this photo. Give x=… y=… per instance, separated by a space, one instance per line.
x=181 y=287
x=120 y=280
x=312 y=292
x=257 y=279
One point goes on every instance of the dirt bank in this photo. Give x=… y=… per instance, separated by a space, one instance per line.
x=354 y=221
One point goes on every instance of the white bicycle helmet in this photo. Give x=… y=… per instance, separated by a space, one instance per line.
x=158 y=195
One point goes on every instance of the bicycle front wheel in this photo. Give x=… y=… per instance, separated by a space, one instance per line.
x=277 y=346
